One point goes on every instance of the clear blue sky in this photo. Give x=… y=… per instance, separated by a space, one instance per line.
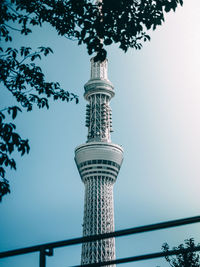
x=156 y=114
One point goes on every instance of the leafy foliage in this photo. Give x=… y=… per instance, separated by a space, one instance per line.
x=183 y=259
x=124 y=22
x=10 y=140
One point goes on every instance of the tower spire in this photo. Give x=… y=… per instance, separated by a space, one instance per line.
x=98 y=162
x=99 y=70
x=98 y=92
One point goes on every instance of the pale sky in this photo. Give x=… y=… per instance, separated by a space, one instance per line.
x=156 y=113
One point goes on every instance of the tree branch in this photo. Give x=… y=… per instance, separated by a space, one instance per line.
x=11 y=27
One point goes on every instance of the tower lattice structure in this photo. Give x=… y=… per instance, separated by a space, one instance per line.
x=98 y=162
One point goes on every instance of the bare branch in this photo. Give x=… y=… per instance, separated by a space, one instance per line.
x=11 y=27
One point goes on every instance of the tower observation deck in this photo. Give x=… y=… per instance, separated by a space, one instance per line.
x=98 y=162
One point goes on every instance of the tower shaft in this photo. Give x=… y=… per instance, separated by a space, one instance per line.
x=98 y=219
x=98 y=162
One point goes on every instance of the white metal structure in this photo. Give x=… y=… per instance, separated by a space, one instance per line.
x=98 y=162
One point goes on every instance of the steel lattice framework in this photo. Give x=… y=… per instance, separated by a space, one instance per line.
x=98 y=218
x=98 y=162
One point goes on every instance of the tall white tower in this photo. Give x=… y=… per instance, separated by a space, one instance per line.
x=98 y=162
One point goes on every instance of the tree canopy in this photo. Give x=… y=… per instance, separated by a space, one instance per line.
x=183 y=259
x=124 y=22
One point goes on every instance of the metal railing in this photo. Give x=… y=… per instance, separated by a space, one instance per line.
x=47 y=249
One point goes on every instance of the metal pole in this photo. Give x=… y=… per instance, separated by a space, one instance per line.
x=42 y=258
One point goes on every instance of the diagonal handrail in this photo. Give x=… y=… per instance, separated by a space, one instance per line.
x=74 y=241
x=141 y=257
